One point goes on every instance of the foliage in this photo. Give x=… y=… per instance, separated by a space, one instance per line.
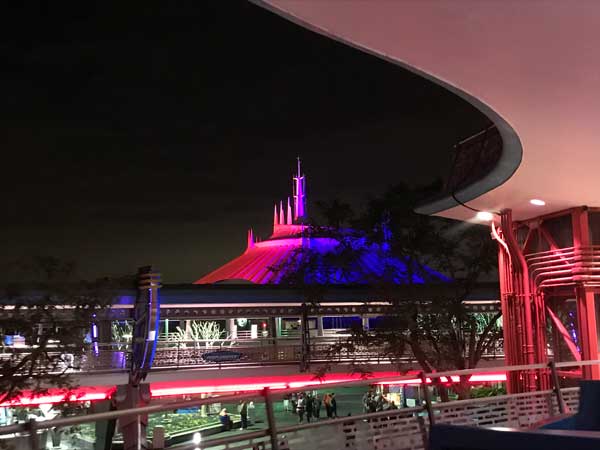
x=201 y=332
x=336 y=213
x=122 y=333
x=51 y=311
x=487 y=391
x=439 y=332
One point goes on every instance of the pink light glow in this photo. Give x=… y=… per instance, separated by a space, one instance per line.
x=487 y=377
x=242 y=384
x=477 y=378
x=54 y=396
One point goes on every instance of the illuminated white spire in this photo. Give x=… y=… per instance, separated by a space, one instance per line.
x=299 y=195
x=281 y=214
x=289 y=212
x=250 y=239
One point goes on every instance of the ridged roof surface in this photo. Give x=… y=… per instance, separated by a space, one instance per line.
x=297 y=253
x=286 y=260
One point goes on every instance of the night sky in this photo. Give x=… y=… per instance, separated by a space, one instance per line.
x=136 y=135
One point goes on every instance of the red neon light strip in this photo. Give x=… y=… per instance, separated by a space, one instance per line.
x=246 y=384
x=83 y=394
x=169 y=389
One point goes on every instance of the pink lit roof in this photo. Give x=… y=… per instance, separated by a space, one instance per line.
x=279 y=258
x=531 y=66
x=254 y=264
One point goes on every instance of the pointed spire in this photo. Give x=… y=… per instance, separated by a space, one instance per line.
x=299 y=195
x=250 y=239
x=275 y=217
x=289 y=212
x=281 y=214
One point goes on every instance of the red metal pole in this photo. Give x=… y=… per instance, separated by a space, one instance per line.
x=586 y=310
x=521 y=277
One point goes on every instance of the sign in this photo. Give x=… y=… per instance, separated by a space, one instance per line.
x=222 y=356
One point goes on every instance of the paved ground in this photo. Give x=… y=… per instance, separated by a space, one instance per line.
x=349 y=401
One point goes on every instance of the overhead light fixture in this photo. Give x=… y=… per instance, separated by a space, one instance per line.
x=484 y=216
x=537 y=202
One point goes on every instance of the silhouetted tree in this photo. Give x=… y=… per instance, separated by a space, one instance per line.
x=336 y=213
x=439 y=333
x=51 y=311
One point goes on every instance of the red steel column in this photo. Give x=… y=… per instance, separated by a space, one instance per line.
x=586 y=311
x=507 y=322
x=523 y=298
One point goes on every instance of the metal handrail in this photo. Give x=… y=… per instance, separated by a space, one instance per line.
x=32 y=427
x=282 y=392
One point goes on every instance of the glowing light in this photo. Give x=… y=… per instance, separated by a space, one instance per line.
x=537 y=202
x=484 y=216
x=95 y=339
x=477 y=378
x=243 y=384
x=488 y=377
x=197 y=438
x=55 y=396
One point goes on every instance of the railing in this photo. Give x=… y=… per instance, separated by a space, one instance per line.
x=259 y=351
x=263 y=351
x=474 y=158
x=401 y=429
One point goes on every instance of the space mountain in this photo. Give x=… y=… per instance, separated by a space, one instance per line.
x=298 y=252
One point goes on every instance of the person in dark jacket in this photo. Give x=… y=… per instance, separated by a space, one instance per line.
x=244 y=414
x=309 y=407
x=333 y=403
x=225 y=420
x=317 y=407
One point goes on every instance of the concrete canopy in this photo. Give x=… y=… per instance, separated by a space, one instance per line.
x=532 y=67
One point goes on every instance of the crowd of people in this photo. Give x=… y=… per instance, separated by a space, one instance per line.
x=308 y=405
x=376 y=402
x=243 y=409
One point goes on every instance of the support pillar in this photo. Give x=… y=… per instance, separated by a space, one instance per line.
x=230 y=328
x=105 y=331
x=586 y=308
x=320 y=332
x=133 y=427
x=272 y=321
x=365 y=323
x=105 y=429
x=188 y=330
x=305 y=340
x=588 y=335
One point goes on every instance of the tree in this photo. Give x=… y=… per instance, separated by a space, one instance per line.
x=439 y=333
x=50 y=312
x=336 y=213
x=204 y=332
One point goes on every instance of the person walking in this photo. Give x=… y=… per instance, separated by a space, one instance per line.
x=309 y=407
x=301 y=408
x=333 y=403
x=244 y=414
x=294 y=400
x=366 y=402
x=327 y=404
x=317 y=407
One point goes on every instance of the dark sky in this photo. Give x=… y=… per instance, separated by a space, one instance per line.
x=146 y=134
